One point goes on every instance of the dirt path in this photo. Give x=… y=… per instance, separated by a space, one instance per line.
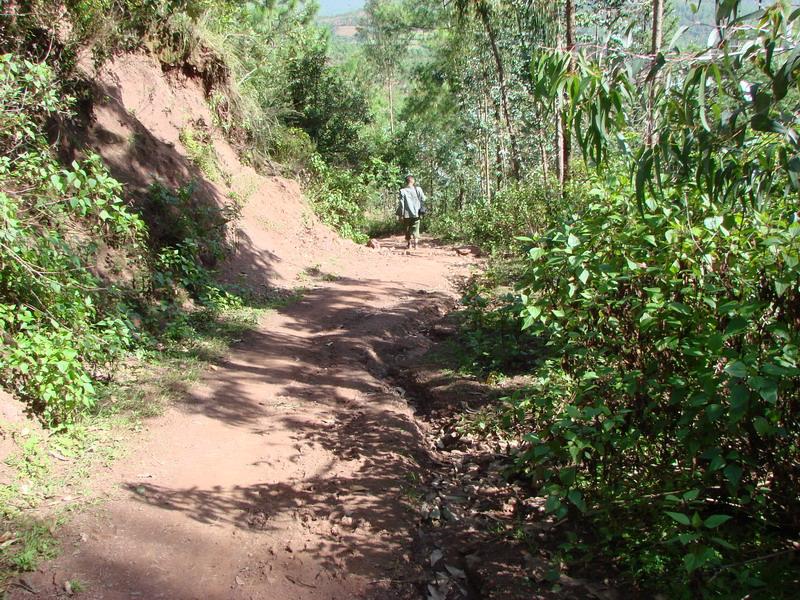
x=285 y=474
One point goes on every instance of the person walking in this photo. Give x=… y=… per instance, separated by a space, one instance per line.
x=410 y=209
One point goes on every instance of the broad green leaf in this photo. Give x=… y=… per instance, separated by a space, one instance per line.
x=691 y=495
x=577 y=499
x=735 y=326
x=679 y=517
x=736 y=368
x=733 y=473
x=715 y=521
x=536 y=253
x=762 y=426
x=781 y=287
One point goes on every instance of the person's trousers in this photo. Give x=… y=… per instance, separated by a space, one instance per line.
x=411 y=226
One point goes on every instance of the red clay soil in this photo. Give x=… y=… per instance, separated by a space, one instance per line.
x=284 y=474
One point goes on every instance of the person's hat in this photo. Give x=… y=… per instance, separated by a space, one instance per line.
x=409 y=176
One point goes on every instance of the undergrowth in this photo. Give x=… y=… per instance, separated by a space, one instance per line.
x=200 y=148
x=357 y=205
x=651 y=408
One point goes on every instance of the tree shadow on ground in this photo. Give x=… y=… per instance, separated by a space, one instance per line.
x=318 y=354
x=327 y=354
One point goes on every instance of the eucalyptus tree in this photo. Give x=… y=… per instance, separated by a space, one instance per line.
x=385 y=33
x=483 y=11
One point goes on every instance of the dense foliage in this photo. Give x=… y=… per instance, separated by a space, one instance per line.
x=656 y=310
x=58 y=319
x=78 y=267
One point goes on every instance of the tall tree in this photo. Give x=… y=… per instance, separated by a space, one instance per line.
x=569 y=26
x=386 y=33
x=655 y=48
x=482 y=9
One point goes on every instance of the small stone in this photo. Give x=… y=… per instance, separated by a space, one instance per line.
x=436 y=556
x=448 y=515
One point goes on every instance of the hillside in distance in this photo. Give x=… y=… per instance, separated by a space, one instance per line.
x=344 y=25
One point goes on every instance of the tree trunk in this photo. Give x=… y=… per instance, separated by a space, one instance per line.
x=483 y=12
x=560 y=171
x=569 y=16
x=499 y=148
x=486 y=162
x=543 y=152
x=390 y=85
x=655 y=47
x=658 y=25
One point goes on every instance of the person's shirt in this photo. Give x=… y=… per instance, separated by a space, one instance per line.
x=411 y=200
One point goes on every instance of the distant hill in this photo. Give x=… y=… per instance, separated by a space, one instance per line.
x=344 y=25
x=699 y=23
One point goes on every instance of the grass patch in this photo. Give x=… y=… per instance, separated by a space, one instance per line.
x=200 y=148
x=24 y=549
x=316 y=272
x=382 y=226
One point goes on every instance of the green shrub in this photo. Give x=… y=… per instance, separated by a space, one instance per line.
x=670 y=396
x=293 y=147
x=59 y=321
x=200 y=148
x=338 y=197
x=523 y=208
x=179 y=218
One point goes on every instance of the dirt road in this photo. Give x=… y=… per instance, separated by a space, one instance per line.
x=287 y=473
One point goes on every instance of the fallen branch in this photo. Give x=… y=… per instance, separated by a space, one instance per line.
x=752 y=560
x=298 y=582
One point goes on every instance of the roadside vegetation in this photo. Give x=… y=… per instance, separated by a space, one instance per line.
x=638 y=193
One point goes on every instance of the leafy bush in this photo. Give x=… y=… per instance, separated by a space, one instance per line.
x=492 y=341
x=294 y=148
x=338 y=196
x=359 y=205
x=664 y=410
x=673 y=346
x=522 y=208
x=179 y=218
x=63 y=324
x=58 y=319
x=200 y=149
x=331 y=108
